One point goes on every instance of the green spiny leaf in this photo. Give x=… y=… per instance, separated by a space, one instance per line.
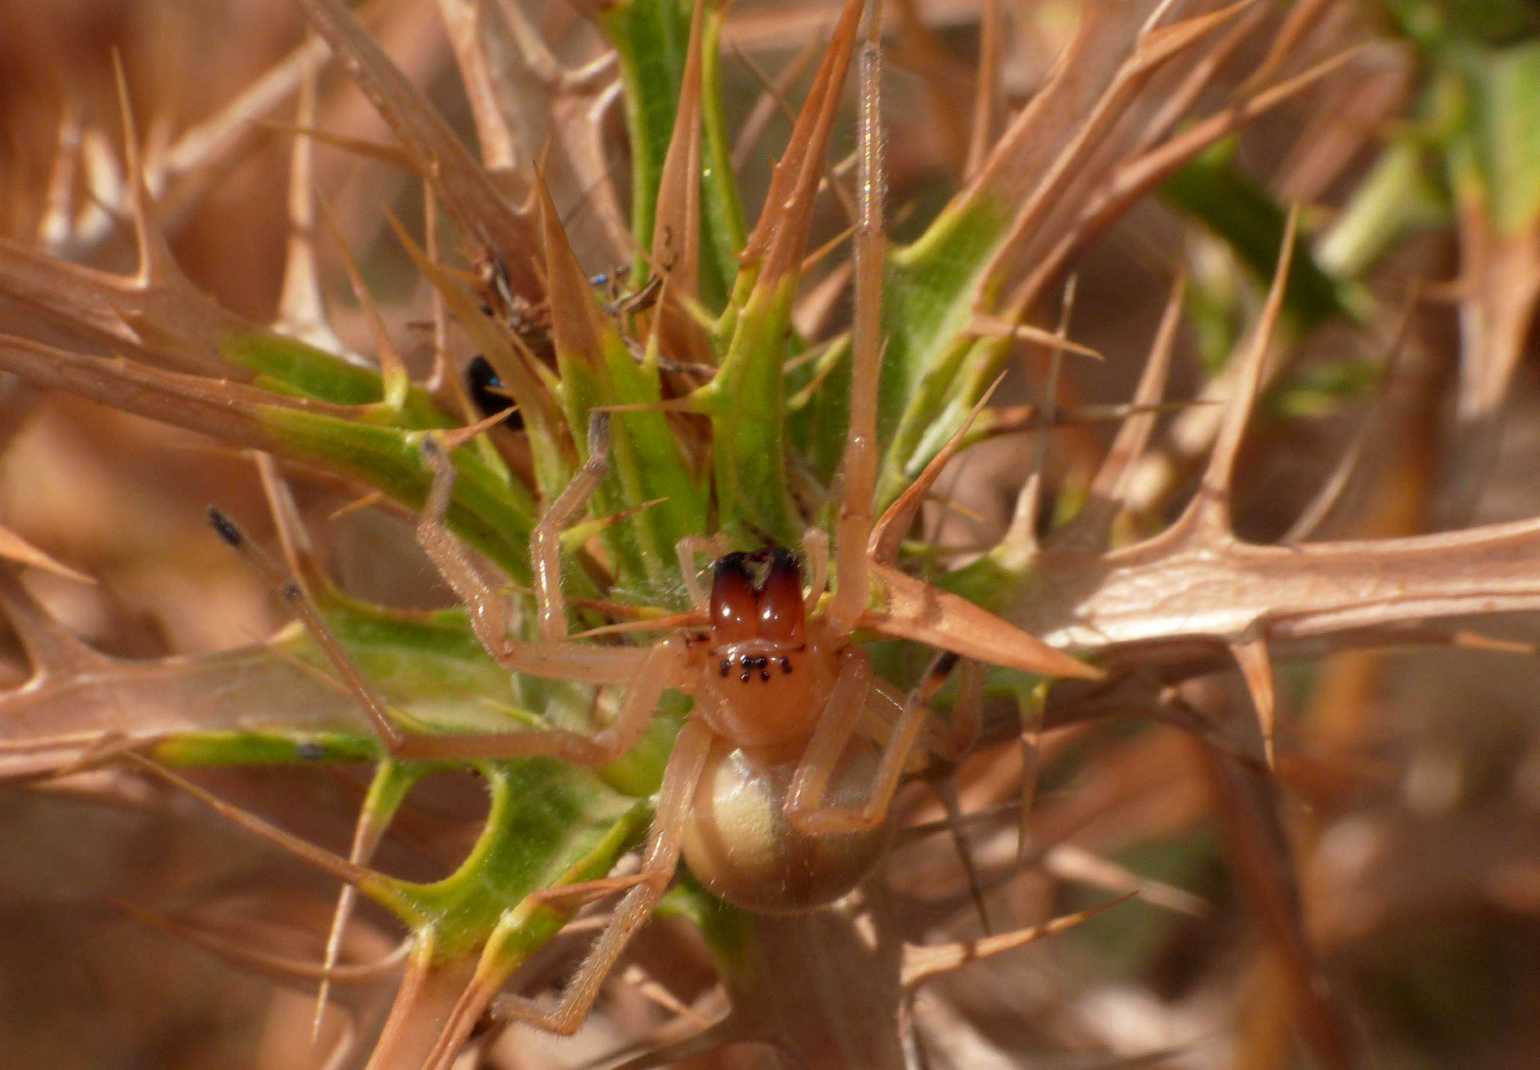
x=932 y=288
x=1240 y=211
x=493 y=513
x=650 y=38
x=288 y=366
x=746 y=402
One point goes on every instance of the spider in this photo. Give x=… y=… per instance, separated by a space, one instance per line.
x=763 y=795
x=531 y=322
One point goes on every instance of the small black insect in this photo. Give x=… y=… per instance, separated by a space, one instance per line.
x=485 y=387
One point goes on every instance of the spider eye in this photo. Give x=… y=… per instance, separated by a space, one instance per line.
x=734 y=603
x=781 y=616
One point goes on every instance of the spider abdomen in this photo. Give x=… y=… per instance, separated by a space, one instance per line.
x=739 y=844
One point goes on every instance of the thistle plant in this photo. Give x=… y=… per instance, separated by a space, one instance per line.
x=737 y=354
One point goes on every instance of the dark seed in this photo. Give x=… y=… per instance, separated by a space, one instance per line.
x=764 y=674
x=786 y=666
x=486 y=390
x=745 y=661
x=225 y=527
x=744 y=678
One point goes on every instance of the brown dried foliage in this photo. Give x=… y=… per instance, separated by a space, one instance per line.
x=1345 y=846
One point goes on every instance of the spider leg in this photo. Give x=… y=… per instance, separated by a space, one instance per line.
x=658 y=668
x=491 y=614
x=815 y=548
x=947 y=740
x=680 y=779
x=655 y=669
x=859 y=466
x=853 y=689
x=967 y=720
x=293 y=594
x=584 y=892
x=545 y=543
x=951 y=743
x=688 y=548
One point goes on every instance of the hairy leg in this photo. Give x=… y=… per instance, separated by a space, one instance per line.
x=658 y=668
x=680 y=779
x=688 y=549
x=947 y=739
x=805 y=806
x=859 y=465
x=815 y=549
x=545 y=542
x=654 y=669
x=491 y=614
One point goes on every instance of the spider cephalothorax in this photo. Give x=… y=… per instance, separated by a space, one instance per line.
x=770 y=667
x=762 y=689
